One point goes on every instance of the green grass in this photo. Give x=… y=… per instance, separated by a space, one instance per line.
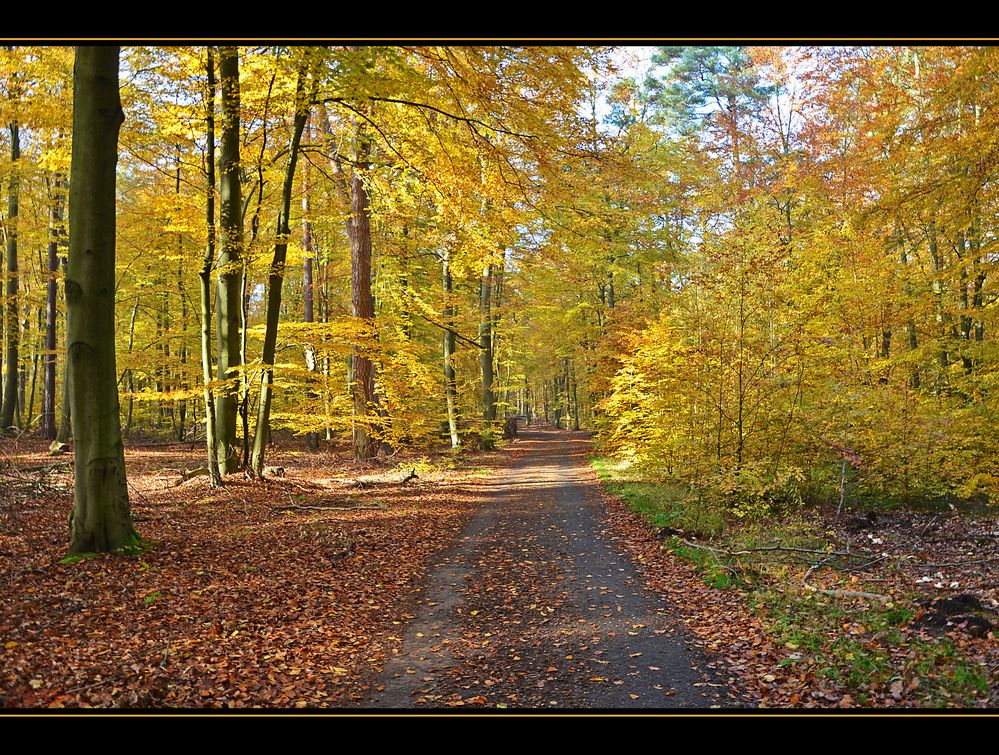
x=664 y=504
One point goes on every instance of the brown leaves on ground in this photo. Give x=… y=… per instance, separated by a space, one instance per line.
x=236 y=604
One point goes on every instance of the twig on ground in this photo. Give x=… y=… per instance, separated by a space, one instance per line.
x=89 y=686
x=134 y=490
x=962 y=563
x=929 y=524
x=842 y=593
x=773 y=548
x=378 y=506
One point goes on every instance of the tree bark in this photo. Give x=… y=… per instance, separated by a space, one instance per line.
x=486 y=344
x=51 y=294
x=450 y=387
x=362 y=302
x=181 y=411
x=275 y=281
x=229 y=306
x=308 y=295
x=101 y=518
x=9 y=405
x=205 y=277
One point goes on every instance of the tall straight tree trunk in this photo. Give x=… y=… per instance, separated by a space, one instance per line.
x=61 y=442
x=937 y=286
x=101 y=518
x=308 y=294
x=30 y=415
x=362 y=302
x=131 y=372
x=575 y=399
x=9 y=405
x=205 y=277
x=181 y=411
x=229 y=307
x=486 y=344
x=494 y=342
x=450 y=388
x=910 y=323
x=51 y=293
x=275 y=281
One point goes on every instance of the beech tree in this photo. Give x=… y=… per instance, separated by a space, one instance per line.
x=10 y=395
x=229 y=307
x=101 y=518
x=276 y=278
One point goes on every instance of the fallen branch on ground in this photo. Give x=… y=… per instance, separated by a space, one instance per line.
x=187 y=474
x=13 y=471
x=839 y=593
x=774 y=548
x=378 y=506
x=960 y=563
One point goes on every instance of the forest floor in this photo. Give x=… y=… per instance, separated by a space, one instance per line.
x=491 y=580
x=243 y=599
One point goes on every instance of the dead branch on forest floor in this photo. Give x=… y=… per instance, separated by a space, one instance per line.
x=378 y=506
x=41 y=469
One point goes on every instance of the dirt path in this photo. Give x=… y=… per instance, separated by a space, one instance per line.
x=536 y=608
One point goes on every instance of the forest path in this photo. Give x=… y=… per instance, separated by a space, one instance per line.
x=536 y=608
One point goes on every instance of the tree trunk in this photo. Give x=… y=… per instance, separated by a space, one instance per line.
x=181 y=411
x=229 y=308
x=450 y=387
x=910 y=323
x=362 y=303
x=51 y=294
x=9 y=405
x=275 y=281
x=575 y=399
x=486 y=345
x=308 y=296
x=205 y=278
x=61 y=442
x=101 y=518
x=131 y=372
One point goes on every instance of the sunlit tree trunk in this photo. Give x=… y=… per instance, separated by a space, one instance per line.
x=51 y=294
x=130 y=371
x=362 y=302
x=486 y=344
x=308 y=294
x=450 y=388
x=181 y=411
x=101 y=519
x=205 y=278
x=275 y=281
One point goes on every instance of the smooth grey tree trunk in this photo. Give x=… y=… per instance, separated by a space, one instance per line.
x=101 y=518
x=205 y=278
